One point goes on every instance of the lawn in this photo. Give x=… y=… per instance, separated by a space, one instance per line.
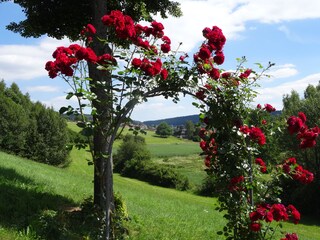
x=156 y=213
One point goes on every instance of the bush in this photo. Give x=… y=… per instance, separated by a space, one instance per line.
x=133 y=160
x=208 y=187
x=164 y=130
x=85 y=222
x=132 y=147
x=156 y=174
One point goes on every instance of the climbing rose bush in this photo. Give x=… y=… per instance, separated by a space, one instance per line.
x=231 y=147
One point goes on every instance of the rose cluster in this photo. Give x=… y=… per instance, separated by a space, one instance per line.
x=150 y=68
x=208 y=145
x=276 y=212
x=126 y=29
x=307 y=136
x=235 y=183
x=290 y=236
x=204 y=59
x=262 y=164
x=67 y=57
x=254 y=133
x=88 y=32
x=297 y=172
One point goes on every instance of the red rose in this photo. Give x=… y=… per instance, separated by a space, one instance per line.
x=157 y=26
x=165 y=48
x=302 y=116
x=204 y=52
x=136 y=62
x=165 y=39
x=257 y=135
x=226 y=75
x=292 y=236
x=269 y=108
x=245 y=74
x=255 y=227
x=219 y=57
x=214 y=73
x=91 y=29
x=294 y=124
x=164 y=74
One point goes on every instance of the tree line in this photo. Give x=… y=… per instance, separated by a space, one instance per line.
x=30 y=129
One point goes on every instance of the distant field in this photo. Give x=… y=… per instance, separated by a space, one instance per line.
x=160 y=147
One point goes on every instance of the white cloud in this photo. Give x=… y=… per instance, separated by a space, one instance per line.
x=281 y=71
x=161 y=108
x=60 y=101
x=232 y=16
x=274 y=95
x=25 y=62
x=42 y=89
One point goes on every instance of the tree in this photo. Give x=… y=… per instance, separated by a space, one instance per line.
x=132 y=147
x=164 y=130
x=53 y=18
x=190 y=129
x=30 y=129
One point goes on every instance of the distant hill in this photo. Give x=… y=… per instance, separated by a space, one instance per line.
x=177 y=121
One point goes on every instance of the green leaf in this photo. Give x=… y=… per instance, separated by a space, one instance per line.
x=69 y=95
x=81 y=124
x=63 y=110
x=195 y=104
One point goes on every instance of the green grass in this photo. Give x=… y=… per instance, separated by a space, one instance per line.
x=27 y=187
x=160 y=213
x=190 y=166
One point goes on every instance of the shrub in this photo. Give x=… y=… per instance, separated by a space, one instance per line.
x=85 y=222
x=164 y=130
x=208 y=187
x=132 y=147
x=155 y=174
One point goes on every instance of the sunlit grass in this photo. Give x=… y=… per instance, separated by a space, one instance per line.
x=155 y=212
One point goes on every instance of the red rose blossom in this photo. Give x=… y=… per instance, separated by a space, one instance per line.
x=255 y=227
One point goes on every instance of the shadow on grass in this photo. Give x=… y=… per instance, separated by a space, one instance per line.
x=21 y=199
x=159 y=136
x=310 y=220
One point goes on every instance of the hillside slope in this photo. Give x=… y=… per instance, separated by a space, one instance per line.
x=156 y=213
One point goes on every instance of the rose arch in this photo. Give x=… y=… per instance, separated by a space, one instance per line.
x=138 y=63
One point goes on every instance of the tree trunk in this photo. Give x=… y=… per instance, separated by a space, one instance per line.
x=102 y=139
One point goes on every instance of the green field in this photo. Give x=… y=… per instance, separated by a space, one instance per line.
x=27 y=187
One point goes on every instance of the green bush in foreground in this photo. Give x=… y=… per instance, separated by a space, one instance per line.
x=84 y=222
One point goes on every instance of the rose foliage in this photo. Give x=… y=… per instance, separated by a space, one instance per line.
x=143 y=65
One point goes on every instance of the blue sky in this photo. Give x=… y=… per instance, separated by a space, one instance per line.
x=285 y=32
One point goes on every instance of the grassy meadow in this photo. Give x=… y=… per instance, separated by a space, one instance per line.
x=27 y=187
